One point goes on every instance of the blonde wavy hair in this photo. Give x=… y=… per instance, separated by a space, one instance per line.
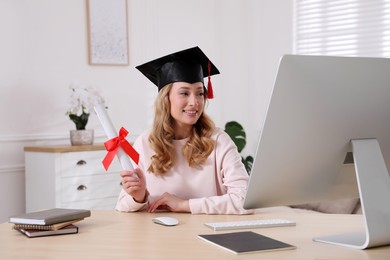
x=196 y=150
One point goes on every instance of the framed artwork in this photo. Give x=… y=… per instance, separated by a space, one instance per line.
x=107 y=32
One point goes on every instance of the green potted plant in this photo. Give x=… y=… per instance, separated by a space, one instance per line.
x=82 y=100
x=238 y=135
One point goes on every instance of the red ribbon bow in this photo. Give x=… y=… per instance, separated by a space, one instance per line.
x=113 y=145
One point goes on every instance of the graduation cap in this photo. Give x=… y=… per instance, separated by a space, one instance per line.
x=190 y=65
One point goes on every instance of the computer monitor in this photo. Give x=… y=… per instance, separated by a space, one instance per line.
x=321 y=110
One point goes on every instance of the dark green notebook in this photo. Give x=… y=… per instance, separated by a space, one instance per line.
x=245 y=242
x=50 y=216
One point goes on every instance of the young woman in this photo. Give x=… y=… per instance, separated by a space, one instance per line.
x=186 y=163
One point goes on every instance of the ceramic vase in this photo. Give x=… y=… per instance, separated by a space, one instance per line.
x=81 y=137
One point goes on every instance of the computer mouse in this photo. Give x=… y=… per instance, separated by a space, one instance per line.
x=166 y=221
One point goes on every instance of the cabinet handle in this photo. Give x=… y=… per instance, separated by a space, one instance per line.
x=81 y=187
x=81 y=162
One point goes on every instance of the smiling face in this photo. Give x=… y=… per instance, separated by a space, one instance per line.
x=187 y=104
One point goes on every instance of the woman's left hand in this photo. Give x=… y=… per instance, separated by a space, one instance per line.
x=169 y=202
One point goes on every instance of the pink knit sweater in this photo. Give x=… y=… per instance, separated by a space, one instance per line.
x=217 y=187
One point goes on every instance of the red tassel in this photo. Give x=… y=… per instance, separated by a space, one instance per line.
x=210 y=92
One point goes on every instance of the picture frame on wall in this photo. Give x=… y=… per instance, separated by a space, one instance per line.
x=107 y=24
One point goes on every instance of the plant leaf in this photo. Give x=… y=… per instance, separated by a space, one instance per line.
x=237 y=134
x=80 y=121
x=248 y=163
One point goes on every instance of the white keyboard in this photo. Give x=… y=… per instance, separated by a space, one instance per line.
x=245 y=224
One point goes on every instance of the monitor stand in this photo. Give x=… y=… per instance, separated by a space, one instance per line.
x=374 y=189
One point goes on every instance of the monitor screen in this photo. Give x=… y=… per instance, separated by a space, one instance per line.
x=318 y=105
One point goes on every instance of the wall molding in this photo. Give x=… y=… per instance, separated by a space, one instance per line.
x=30 y=137
x=40 y=137
x=16 y=168
x=99 y=136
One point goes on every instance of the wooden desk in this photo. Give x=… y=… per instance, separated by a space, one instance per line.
x=114 y=235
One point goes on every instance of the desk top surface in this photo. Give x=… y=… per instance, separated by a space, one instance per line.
x=115 y=235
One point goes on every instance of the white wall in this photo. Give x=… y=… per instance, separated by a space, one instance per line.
x=44 y=49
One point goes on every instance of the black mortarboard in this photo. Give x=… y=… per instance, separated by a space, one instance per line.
x=190 y=65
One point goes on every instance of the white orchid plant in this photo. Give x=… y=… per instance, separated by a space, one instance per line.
x=82 y=100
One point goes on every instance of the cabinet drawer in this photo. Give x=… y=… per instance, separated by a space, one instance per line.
x=85 y=163
x=90 y=187
x=106 y=203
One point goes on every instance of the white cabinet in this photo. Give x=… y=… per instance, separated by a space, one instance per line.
x=70 y=177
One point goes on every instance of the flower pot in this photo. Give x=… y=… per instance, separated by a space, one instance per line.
x=81 y=137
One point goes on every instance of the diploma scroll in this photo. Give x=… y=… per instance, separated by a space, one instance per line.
x=112 y=133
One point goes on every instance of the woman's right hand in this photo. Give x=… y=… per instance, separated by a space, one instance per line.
x=133 y=185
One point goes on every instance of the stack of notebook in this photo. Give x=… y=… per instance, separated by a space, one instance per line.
x=49 y=222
